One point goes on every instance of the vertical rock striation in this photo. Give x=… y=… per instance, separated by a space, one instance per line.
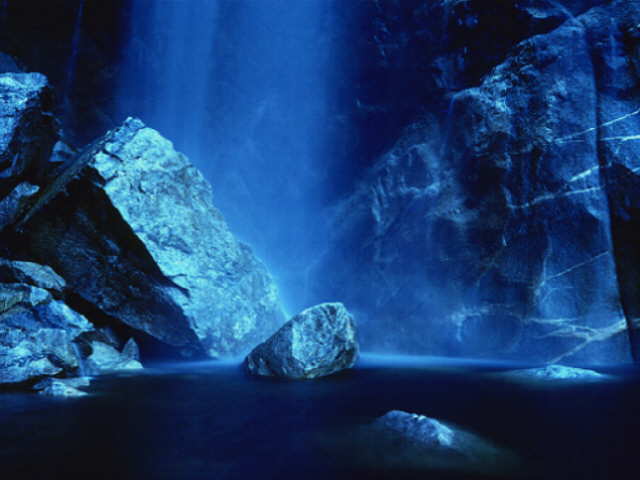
x=506 y=228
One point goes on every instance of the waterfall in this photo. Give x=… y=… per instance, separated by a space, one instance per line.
x=170 y=67
x=448 y=125
x=73 y=56
x=83 y=371
x=241 y=88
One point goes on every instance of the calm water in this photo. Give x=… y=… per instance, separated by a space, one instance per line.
x=208 y=421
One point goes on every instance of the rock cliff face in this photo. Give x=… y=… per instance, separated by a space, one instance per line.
x=505 y=227
x=131 y=227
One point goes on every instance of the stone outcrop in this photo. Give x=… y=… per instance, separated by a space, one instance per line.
x=38 y=335
x=130 y=225
x=505 y=227
x=319 y=341
x=28 y=129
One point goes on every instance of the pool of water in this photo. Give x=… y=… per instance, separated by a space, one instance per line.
x=211 y=421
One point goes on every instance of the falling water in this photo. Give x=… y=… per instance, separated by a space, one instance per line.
x=73 y=56
x=82 y=367
x=241 y=88
x=448 y=125
x=171 y=68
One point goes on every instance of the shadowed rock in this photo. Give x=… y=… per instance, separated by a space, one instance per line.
x=508 y=226
x=131 y=227
x=28 y=130
x=41 y=276
x=16 y=203
x=407 y=441
x=319 y=341
x=41 y=336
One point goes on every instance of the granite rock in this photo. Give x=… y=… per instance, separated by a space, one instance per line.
x=131 y=227
x=319 y=341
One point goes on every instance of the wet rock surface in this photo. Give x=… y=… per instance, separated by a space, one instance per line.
x=63 y=387
x=13 y=206
x=105 y=358
x=553 y=373
x=28 y=128
x=131 y=227
x=513 y=212
x=319 y=341
x=13 y=271
x=408 y=441
x=37 y=335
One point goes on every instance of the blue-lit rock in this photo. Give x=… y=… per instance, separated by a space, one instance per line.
x=507 y=226
x=130 y=225
x=106 y=358
x=319 y=341
x=62 y=387
x=37 y=334
x=415 y=442
x=41 y=276
x=28 y=129
x=555 y=373
x=40 y=336
x=16 y=203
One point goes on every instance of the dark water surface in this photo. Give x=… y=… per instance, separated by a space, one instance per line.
x=211 y=421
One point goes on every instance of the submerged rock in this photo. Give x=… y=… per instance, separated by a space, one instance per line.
x=407 y=441
x=130 y=225
x=319 y=341
x=62 y=387
x=554 y=373
x=28 y=129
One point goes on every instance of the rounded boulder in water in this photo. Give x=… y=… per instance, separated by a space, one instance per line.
x=319 y=341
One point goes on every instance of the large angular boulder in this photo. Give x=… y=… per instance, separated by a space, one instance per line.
x=28 y=129
x=319 y=341
x=507 y=226
x=130 y=225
